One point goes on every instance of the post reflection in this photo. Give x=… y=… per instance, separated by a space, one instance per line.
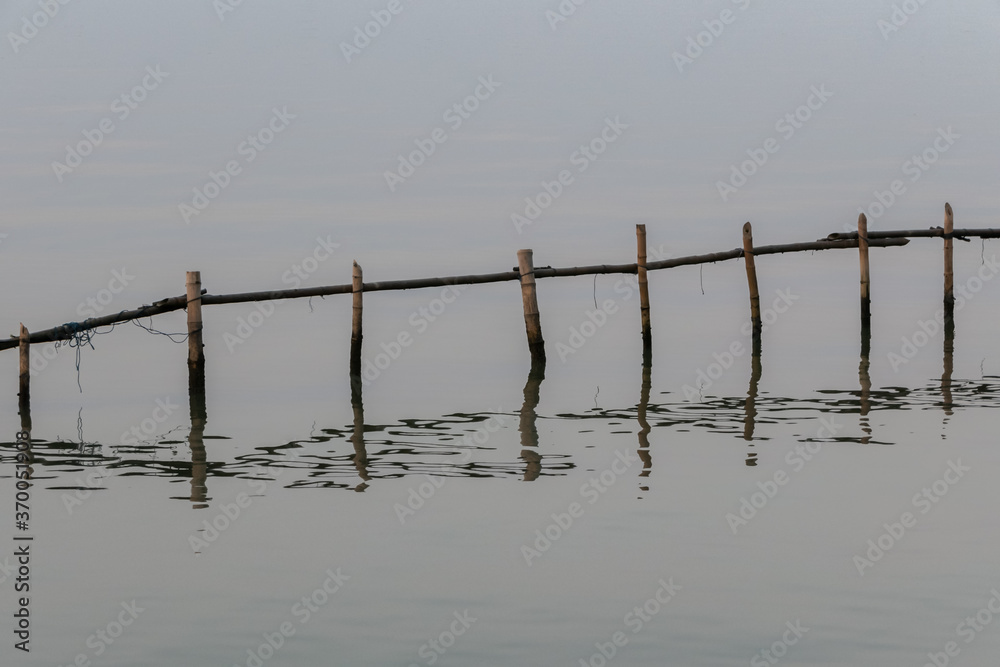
x=358 y=434
x=644 y=427
x=949 y=354
x=866 y=385
x=527 y=425
x=196 y=443
x=750 y=408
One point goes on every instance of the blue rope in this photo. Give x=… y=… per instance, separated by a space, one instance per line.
x=80 y=334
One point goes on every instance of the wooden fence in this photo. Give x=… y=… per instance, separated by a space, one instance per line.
x=527 y=274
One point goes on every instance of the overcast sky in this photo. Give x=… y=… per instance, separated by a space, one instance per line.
x=350 y=106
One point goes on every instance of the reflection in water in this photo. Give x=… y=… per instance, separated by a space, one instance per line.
x=443 y=446
x=750 y=408
x=196 y=442
x=644 y=427
x=358 y=434
x=866 y=385
x=949 y=353
x=528 y=425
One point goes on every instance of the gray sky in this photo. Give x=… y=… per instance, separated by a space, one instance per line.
x=558 y=83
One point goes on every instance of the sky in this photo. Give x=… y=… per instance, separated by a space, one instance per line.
x=372 y=154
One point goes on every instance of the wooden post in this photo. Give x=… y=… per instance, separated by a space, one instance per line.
x=532 y=319
x=24 y=376
x=866 y=303
x=357 y=288
x=949 y=266
x=752 y=282
x=196 y=346
x=647 y=336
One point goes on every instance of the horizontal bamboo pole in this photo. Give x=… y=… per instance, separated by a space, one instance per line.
x=65 y=331
x=933 y=232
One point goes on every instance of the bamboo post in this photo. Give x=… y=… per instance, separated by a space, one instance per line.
x=532 y=319
x=949 y=265
x=866 y=304
x=647 y=336
x=357 y=289
x=24 y=376
x=752 y=282
x=196 y=346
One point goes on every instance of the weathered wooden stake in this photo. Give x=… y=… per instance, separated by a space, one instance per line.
x=532 y=319
x=866 y=303
x=752 y=282
x=949 y=265
x=357 y=288
x=647 y=335
x=24 y=377
x=196 y=346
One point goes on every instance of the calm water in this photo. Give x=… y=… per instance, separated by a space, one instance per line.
x=701 y=512
x=542 y=512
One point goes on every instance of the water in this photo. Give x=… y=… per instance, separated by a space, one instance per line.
x=736 y=501
x=542 y=521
